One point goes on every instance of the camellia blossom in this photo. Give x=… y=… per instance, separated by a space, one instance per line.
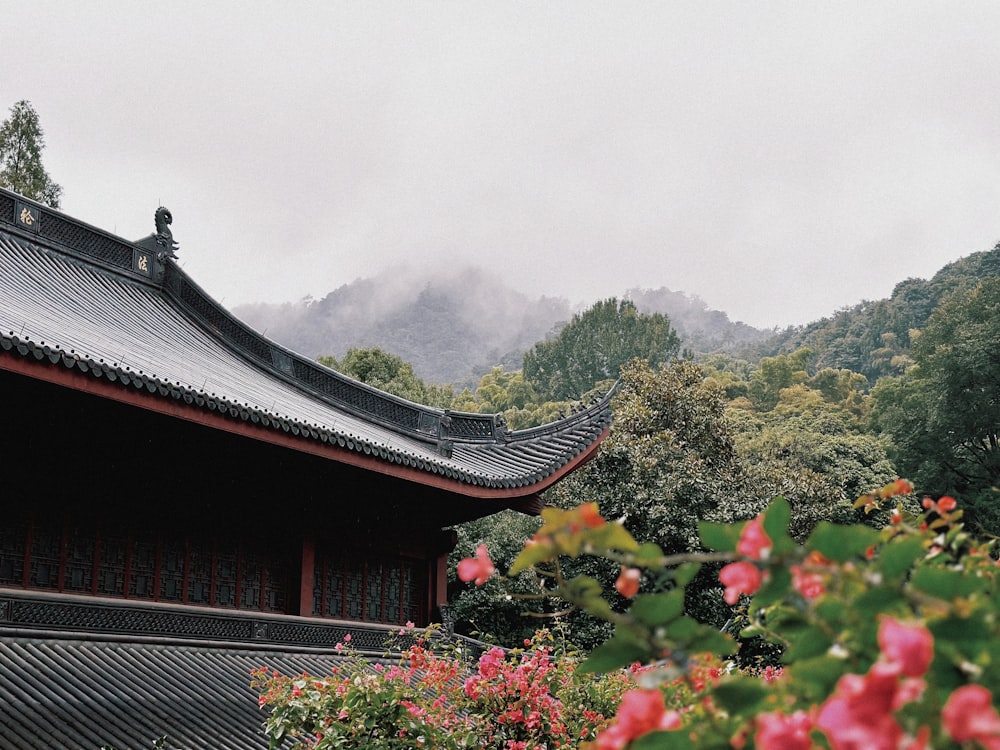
x=909 y=646
x=478 y=568
x=628 y=582
x=969 y=715
x=640 y=712
x=739 y=578
x=942 y=506
x=754 y=541
x=776 y=731
x=858 y=716
x=810 y=585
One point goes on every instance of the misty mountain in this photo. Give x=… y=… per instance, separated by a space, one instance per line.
x=454 y=329
x=451 y=329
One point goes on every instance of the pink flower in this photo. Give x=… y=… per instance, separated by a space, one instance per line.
x=739 y=578
x=858 y=716
x=969 y=715
x=776 y=731
x=810 y=585
x=628 y=582
x=754 y=541
x=640 y=712
x=909 y=646
x=478 y=568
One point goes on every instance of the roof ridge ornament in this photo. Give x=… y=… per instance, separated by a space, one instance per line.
x=162 y=240
x=162 y=220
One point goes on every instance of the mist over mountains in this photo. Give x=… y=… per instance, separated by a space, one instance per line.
x=453 y=328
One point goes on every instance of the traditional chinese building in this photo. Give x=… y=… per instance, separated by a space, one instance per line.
x=187 y=499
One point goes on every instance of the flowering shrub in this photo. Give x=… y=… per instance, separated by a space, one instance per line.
x=890 y=638
x=527 y=699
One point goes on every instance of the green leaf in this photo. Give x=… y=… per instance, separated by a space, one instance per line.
x=944 y=583
x=658 y=609
x=807 y=643
x=774 y=588
x=817 y=677
x=613 y=536
x=685 y=573
x=529 y=557
x=739 y=695
x=599 y=608
x=841 y=543
x=669 y=740
x=616 y=652
x=648 y=553
x=708 y=640
x=721 y=537
x=582 y=588
x=776 y=520
x=897 y=557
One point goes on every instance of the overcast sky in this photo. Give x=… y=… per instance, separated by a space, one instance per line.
x=780 y=160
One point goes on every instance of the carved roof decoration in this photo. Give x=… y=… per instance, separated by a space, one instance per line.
x=77 y=299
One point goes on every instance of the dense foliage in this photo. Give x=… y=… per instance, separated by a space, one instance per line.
x=594 y=346
x=943 y=414
x=21 y=145
x=874 y=337
x=681 y=452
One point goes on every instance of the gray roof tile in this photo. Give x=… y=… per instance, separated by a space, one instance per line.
x=68 y=299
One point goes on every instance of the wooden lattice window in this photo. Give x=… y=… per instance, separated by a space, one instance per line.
x=123 y=563
x=382 y=588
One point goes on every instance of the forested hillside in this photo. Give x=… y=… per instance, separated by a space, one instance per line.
x=873 y=338
x=453 y=330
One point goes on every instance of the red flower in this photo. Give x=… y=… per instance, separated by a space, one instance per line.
x=899 y=487
x=909 y=646
x=754 y=541
x=589 y=516
x=776 y=731
x=640 y=712
x=739 y=578
x=478 y=568
x=628 y=582
x=969 y=715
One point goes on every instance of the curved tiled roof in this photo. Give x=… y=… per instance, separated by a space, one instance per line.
x=77 y=298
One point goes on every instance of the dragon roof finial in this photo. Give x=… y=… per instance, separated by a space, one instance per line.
x=164 y=237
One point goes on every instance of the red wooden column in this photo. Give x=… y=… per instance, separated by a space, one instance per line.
x=307 y=576
x=440 y=587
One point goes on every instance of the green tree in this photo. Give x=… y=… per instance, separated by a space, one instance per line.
x=593 y=347
x=775 y=374
x=21 y=144
x=389 y=373
x=499 y=391
x=944 y=414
